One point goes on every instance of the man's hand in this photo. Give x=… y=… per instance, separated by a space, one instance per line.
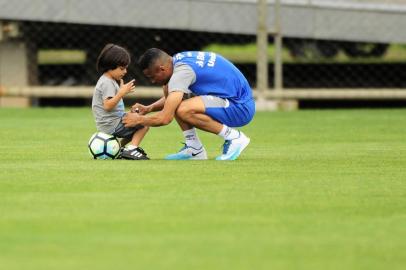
x=141 y=109
x=132 y=119
x=161 y=118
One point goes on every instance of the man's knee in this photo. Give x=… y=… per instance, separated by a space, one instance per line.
x=184 y=110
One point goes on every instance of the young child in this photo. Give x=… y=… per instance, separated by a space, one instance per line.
x=108 y=105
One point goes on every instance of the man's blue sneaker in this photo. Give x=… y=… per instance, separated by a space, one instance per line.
x=187 y=153
x=233 y=148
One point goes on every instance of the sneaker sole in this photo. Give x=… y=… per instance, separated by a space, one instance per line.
x=186 y=158
x=199 y=158
x=132 y=158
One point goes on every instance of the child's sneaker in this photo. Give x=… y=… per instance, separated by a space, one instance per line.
x=233 y=148
x=134 y=154
x=187 y=153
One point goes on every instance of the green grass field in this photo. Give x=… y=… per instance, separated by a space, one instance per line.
x=314 y=190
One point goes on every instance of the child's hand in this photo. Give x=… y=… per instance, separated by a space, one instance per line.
x=126 y=88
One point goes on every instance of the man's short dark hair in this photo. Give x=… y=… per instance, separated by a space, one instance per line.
x=111 y=57
x=149 y=57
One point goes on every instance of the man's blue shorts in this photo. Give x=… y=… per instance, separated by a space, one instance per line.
x=228 y=112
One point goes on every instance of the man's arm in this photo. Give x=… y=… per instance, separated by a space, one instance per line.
x=154 y=107
x=161 y=118
x=159 y=104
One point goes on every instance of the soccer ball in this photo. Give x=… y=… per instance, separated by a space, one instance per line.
x=103 y=146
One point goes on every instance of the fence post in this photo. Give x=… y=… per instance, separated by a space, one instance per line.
x=278 y=74
x=262 y=55
x=262 y=49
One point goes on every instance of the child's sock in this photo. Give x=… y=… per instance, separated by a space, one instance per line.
x=131 y=146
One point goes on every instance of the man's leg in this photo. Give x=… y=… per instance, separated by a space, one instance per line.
x=193 y=112
x=193 y=148
x=190 y=134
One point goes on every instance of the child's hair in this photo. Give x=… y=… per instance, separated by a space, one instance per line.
x=111 y=57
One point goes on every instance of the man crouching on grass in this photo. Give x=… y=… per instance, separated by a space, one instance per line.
x=221 y=99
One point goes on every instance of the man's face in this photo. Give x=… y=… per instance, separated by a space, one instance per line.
x=157 y=74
